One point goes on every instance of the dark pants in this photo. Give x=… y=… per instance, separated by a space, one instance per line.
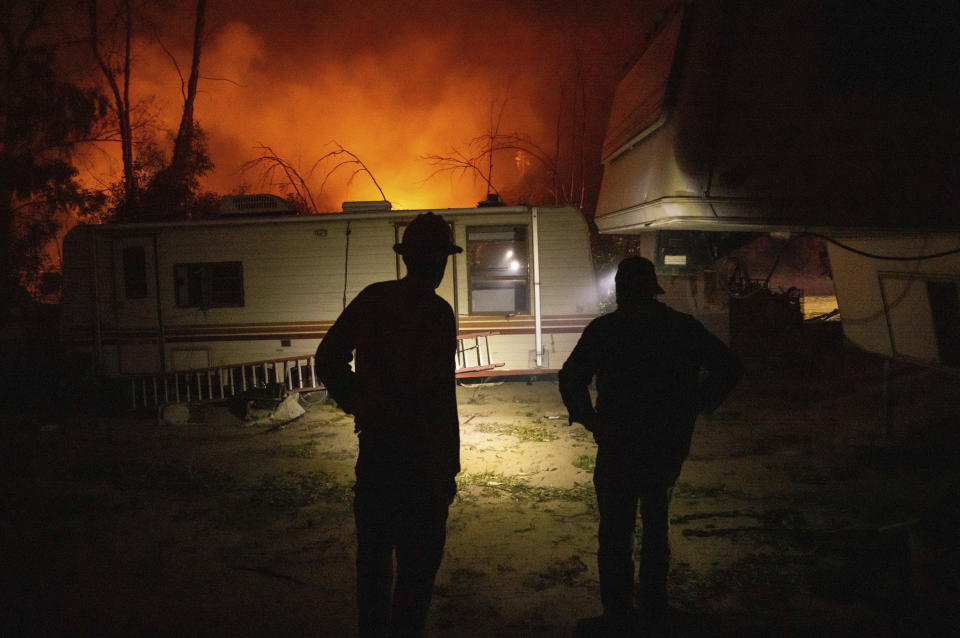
x=621 y=483
x=409 y=517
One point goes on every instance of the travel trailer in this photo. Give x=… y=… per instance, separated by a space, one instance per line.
x=259 y=286
x=831 y=118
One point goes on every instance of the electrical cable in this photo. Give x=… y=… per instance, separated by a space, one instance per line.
x=838 y=244
x=864 y=253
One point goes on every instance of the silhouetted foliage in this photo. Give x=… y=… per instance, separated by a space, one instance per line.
x=42 y=121
x=166 y=190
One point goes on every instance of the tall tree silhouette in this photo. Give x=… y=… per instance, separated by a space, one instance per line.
x=151 y=185
x=43 y=119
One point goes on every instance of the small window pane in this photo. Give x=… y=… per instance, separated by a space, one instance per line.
x=209 y=285
x=226 y=284
x=134 y=272
x=945 y=308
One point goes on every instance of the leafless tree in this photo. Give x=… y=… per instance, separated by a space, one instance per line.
x=562 y=168
x=117 y=73
x=344 y=157
x=168 y=187
x=183 y=145
x=480 y=151
x=272 y=166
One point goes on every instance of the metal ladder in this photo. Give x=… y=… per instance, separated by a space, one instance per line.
x=295 y=374
x=221 y=382
x=479 y=350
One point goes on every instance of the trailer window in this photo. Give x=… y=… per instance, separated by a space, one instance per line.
x=497 y=271
x=134 y=272
x=945 y=309
x=209 y=285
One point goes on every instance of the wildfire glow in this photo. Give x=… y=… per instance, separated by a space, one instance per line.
x=390 y=82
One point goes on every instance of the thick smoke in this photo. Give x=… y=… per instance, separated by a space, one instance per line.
x=393 y=82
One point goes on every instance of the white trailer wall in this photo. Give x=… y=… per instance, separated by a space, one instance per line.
x=293 y=272
x=884 y=306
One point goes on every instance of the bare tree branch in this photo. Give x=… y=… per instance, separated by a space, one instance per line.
x=362 y=168
x=173 y=59
x=461 y=165
x=216 y=79
x=270 y=162
x=121 y=98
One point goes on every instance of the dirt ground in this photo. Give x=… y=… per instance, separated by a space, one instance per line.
x=796 y=515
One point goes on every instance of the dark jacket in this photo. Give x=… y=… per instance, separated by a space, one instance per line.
x=402 y=392
x=647 y=361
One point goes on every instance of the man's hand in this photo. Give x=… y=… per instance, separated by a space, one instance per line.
x=588 y=421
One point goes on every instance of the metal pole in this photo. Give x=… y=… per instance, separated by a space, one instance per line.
x=97 y=326
x=456 y=294
x=537 y=318
x=161 y=334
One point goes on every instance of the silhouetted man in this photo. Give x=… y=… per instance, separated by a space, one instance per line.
x=647 y=359
x=403 y=398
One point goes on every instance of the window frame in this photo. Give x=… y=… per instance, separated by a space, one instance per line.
x=207 y=294
x=527 y=270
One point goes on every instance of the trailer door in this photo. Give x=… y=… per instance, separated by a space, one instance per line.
x=138 y=328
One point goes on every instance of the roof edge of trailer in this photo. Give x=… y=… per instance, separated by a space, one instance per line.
x=743 y=214
x=314 y=218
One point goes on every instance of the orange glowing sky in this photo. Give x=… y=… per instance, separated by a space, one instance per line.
x=390 y=81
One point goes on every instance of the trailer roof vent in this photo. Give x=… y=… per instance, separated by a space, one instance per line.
x=376 y=206
x=259 y=204
x=493 y=199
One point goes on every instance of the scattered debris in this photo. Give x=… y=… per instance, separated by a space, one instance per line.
x=273 y=574
x=288 y=410
x=270 y=405
x=564 y=573
x=175 y=414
